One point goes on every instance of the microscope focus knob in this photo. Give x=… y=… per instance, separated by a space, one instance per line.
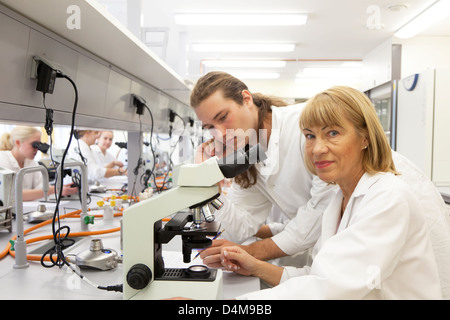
x=139 y=276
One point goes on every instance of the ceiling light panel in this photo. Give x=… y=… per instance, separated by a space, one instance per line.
x=331 y=72
x=426 y=19
x=256 y=75
x=240 y=19
x=243 y=47
x=244 y=63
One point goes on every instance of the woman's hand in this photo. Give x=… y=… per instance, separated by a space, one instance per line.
x=212 y=255
x=238 y=260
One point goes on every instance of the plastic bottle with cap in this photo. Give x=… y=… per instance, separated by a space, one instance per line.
x=108 y=215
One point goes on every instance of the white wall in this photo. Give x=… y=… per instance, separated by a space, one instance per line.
x=424 y=52
x=425 y=140
x=377 y=66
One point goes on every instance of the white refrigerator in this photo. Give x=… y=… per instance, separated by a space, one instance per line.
x=423 y=123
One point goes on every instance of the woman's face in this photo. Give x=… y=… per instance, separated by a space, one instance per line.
x=105 y=140
x=336 y=152
x=232 y=125
x=26 y=148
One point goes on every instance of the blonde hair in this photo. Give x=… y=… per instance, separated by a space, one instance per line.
x=231 y=88
x=20 y=133
x=332 y=106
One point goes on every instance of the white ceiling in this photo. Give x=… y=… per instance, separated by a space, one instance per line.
x=336 y=30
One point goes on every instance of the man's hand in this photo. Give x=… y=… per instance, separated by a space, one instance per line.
x=205 y=151
x=69 y=189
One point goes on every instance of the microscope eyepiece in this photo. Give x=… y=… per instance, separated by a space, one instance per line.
x=241 y=160
x=43 y=147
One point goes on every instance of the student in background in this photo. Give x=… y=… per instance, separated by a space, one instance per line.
x=80 y=150
x=104 y=157
x=17 y=152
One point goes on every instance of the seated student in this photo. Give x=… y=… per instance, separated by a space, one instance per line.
x=374 y=241
x=104 y=157
x=17 y=152
x=80 y=150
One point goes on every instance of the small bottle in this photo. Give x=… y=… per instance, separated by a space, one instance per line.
x=108 y=215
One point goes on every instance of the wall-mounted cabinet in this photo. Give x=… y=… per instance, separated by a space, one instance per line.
x=106 y=62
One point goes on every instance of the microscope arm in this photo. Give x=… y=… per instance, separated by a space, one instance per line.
x=139 y=225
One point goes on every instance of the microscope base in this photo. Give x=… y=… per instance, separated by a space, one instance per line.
x=198 y=289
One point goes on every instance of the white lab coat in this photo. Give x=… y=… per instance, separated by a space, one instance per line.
x=379 y=250
x=102 y=159
x=32 y=180
x=95 y=171
x=282 y=180
x=436 y=213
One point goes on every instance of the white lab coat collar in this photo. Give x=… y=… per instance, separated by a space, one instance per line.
x=332 y=222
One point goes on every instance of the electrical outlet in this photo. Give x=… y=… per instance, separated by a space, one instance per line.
x=46 y=77
x=45 y=72
x=139 y=103
x=35 y=63
x=171 y=115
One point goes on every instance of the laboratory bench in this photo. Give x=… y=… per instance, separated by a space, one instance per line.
x=38 y=282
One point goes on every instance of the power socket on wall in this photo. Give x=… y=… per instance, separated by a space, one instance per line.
x=45 y=72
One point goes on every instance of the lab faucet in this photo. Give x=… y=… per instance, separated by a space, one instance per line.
x=84 y=188
x=20 y=247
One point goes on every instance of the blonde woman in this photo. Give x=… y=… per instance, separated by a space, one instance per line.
x=374 y=242
x=17 y=152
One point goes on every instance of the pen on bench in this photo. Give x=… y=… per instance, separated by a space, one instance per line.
x=215 y=237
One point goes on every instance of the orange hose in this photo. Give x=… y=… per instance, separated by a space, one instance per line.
x=8 y=246
x=40 y=238
x=47 y=237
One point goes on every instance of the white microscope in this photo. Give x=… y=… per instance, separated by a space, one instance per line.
x=145 y=276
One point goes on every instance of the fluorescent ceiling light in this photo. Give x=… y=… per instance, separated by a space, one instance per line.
x=330 y=72
x=323 y=84
x=256 y=75
x=243 y=47
x=244 y=63
x=426 y=19
x=240 y=19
